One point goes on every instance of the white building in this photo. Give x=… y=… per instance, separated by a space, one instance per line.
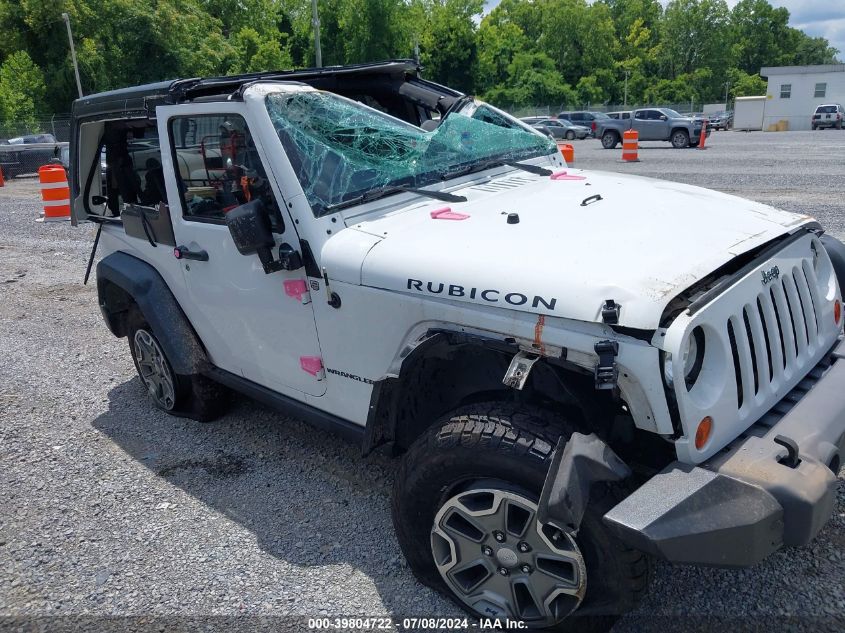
x=795 y=91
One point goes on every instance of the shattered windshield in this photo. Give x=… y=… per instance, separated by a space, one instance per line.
x=341 y=149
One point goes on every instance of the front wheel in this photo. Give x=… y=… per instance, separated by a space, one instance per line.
x=680 y=139
x=465 y=512
x=609 y=140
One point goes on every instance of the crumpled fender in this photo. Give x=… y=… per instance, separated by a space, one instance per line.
x=577 y=463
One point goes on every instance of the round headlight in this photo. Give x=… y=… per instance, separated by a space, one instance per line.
x=691 y=360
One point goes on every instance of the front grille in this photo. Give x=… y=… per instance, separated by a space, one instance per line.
x=784 y=406
x=765 y=334
x=776 y=336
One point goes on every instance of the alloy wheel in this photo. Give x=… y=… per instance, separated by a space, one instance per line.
x=154 y=370
x=497 y=558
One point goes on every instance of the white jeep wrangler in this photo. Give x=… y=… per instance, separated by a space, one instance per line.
x=582 y=370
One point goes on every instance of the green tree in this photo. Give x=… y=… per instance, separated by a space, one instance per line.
x=498 y=43
x=22 y=89
x=747 y=85
x=449 y=50
x=256 y=52
x=579 y=37
x=759 y=32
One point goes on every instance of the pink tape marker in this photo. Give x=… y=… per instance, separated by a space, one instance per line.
x=562 y=175
x=296 y=288
x=311 y=364
x=446 y=213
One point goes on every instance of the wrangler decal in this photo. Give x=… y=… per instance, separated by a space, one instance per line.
x=489 y=295
x=344 y=374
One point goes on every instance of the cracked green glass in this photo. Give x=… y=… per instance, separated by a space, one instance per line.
x=341 y=149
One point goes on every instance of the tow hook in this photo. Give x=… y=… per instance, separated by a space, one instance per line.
x=577 y=463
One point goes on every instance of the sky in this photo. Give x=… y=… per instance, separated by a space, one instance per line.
x=825 y=18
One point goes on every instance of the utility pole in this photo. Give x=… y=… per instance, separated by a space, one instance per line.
x=66 y=18
x=627 y=72
x=727 y=87
x=315 y=20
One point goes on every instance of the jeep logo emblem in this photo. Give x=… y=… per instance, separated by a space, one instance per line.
x=770 y=275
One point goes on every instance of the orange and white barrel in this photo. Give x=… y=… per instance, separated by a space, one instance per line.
x=55 y=193
x=568 y=153
x=630 y=146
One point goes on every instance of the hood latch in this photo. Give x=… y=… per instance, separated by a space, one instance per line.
x=607 y=372
x=610 y=312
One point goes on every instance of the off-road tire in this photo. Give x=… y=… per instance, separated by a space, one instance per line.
x=195 y=396
x=512 y=444
x=609 y=140
x=680 y=139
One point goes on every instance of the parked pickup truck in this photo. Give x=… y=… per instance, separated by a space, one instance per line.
x=653 y=124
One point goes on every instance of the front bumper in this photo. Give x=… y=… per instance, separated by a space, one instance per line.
x=751 y=498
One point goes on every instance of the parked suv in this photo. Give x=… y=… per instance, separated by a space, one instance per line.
x=653 y=124
x=581 y=371
x=830 y=115
x=585 y=118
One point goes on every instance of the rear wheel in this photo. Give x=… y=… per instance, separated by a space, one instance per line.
x=465 y=511
x=190 y=396
x=609 y=140
x=570 y=135
x=680 y=139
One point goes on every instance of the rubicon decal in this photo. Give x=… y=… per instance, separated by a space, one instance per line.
x=490 y=295
x=770 y=275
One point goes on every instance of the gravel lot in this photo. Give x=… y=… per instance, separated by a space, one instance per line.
x=108 y=507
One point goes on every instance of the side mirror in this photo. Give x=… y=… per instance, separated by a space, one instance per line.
x=663 y=117
x=251 y=232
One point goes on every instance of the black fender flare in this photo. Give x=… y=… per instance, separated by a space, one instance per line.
x=123 y=280
x=836 y=251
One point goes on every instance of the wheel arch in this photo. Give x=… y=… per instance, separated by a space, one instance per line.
x=449 y=369
x=125 y=282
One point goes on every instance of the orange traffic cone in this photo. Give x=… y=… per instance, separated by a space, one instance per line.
x=55 y=193
x=630 y=146
x=703 y=136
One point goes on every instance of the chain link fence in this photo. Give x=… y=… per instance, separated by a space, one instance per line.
x=26 y=146
x=688 y=107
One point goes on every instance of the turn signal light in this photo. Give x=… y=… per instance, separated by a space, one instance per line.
x=837 y=311
x=702 y=433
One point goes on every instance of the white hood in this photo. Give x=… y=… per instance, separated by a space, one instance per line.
x=643 y=243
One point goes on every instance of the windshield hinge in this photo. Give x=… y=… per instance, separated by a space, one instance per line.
x=607 y=372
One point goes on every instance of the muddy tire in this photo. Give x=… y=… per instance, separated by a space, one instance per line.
x=490 y=451
x=190 y=396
